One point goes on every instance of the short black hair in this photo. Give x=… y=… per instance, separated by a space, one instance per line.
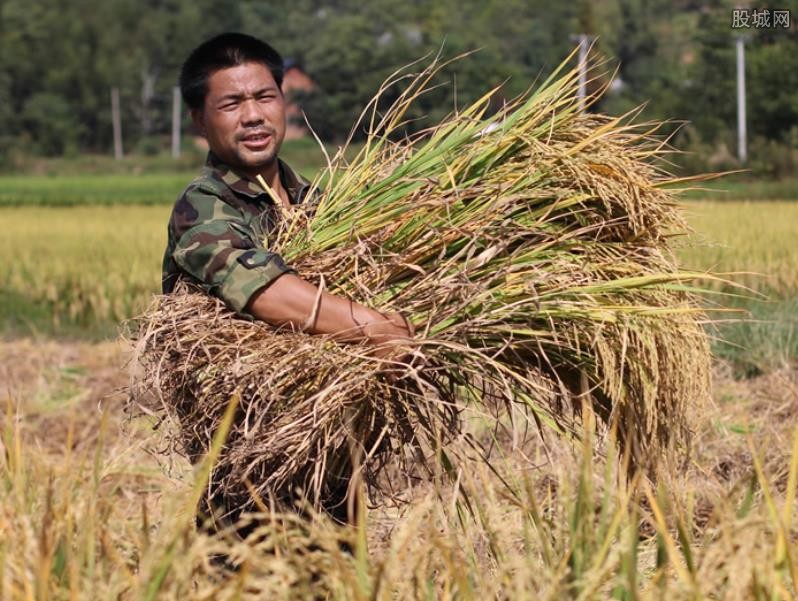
x=222 y=52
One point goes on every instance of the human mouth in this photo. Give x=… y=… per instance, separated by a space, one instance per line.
x=256 y=141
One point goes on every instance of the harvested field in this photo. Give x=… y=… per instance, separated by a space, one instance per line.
x=737 y=537
x=88 y=507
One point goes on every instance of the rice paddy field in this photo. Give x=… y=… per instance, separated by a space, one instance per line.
x=78 y=271
x=90 y=510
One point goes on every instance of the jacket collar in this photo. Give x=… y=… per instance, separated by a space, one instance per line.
x=296 y=185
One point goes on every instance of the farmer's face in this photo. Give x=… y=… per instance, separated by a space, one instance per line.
x=243 y=117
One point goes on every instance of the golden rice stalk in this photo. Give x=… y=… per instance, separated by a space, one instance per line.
x=531 y=251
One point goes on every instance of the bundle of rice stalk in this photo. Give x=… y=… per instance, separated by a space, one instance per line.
x=530 y=249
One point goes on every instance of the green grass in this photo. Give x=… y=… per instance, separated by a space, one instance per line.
x=754 y=244
x=761 y=337
x=139 y=179
x=741 y=187
x=112 y=189
x=99 y=180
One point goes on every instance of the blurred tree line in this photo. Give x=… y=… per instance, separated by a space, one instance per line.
x=60 y=58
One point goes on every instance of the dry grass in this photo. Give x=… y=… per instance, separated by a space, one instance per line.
x=116 y=527
x=87 y=512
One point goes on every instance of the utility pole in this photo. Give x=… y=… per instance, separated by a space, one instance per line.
x=584 y=41
x=582 y=93
x=742 y=151
x=116 y=122
x=175 y=122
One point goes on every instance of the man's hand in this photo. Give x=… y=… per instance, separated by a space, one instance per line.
x=396 y=330
x=393 y=327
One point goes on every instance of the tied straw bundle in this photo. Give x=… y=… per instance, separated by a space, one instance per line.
x=530 y=249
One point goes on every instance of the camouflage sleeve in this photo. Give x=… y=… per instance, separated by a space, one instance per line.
x=217 y=247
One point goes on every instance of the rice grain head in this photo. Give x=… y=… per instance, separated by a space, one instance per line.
x=530 y=249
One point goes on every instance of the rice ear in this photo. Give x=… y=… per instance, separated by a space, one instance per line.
x=532 y=257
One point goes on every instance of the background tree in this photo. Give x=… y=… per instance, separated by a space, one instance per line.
x=59 y=60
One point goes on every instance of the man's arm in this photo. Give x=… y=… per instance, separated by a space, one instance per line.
x=216 y=246
x=290 y=300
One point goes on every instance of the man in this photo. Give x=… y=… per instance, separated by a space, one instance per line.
x=232 y=86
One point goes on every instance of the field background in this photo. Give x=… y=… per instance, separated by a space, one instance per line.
x=92 y=508
x=84 y=244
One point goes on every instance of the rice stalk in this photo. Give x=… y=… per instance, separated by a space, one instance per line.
x=531 y=249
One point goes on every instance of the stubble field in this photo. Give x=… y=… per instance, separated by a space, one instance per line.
x=90 y=510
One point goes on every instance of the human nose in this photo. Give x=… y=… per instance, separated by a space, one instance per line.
x=251 y=113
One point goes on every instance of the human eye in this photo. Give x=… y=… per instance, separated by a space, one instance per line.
x=228 y=105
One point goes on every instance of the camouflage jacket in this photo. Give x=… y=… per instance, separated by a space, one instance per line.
x=216 y=234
